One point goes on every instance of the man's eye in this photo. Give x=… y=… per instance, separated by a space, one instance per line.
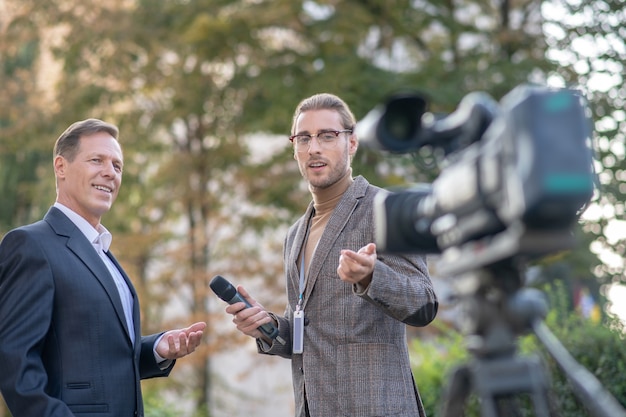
x=303 y=140
x=327 y=136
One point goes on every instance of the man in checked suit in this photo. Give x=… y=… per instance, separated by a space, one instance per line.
x=355 y=303
x=70 y=341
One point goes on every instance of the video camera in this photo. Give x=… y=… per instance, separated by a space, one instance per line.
x=514 y=176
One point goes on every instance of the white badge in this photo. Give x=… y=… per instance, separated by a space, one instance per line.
x=298 y=331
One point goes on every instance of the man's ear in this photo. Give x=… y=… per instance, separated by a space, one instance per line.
x=354 y=145
x=60 y=164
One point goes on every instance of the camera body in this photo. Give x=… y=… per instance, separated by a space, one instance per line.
x=513 y=181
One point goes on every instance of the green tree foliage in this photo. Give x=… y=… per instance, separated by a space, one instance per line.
x=24 y=115
x=587 y=40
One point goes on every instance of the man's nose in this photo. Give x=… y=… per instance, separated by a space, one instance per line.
x=314 y=141
x=109 y=170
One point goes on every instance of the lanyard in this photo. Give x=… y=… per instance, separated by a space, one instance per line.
x=302 y=283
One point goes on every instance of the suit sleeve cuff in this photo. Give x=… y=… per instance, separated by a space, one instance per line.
x=162 y=362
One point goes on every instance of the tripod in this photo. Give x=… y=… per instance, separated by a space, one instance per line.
x=498 y=312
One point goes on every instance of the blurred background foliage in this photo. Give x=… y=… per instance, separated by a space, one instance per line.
x=203 y=92
x=598 y=348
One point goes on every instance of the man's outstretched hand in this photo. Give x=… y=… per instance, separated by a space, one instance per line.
x=181 y=342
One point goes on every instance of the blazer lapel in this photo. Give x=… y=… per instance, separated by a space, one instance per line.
x=83 y=249
x=339 y=218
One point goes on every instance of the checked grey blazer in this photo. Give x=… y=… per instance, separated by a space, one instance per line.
x=355 y=360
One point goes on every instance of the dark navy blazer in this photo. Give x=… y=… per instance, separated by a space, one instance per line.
x=64 y=343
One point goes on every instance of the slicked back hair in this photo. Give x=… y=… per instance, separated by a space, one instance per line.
x=325 y=101
x=68 y=143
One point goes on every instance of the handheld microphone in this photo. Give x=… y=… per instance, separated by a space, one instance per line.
x=227 y=292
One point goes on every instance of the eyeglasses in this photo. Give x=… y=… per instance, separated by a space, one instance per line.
x=325 y=138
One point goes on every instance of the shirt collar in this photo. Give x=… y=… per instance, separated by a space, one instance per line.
x=101 y=238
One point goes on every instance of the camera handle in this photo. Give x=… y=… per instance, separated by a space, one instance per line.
x=499 y=310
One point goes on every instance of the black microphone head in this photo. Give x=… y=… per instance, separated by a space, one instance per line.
x=222 y=288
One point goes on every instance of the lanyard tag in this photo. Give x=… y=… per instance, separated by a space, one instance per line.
x=298 y=331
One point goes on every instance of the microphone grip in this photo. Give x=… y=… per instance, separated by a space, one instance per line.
x=267 y=329
x=227 y=292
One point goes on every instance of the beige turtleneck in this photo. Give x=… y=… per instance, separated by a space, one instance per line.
x=324 y=202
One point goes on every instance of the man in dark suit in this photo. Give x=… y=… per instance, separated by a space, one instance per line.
x=70 y=340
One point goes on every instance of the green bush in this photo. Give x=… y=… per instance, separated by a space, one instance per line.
x=433 y=360
x=156 y=406
x=597 y=347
